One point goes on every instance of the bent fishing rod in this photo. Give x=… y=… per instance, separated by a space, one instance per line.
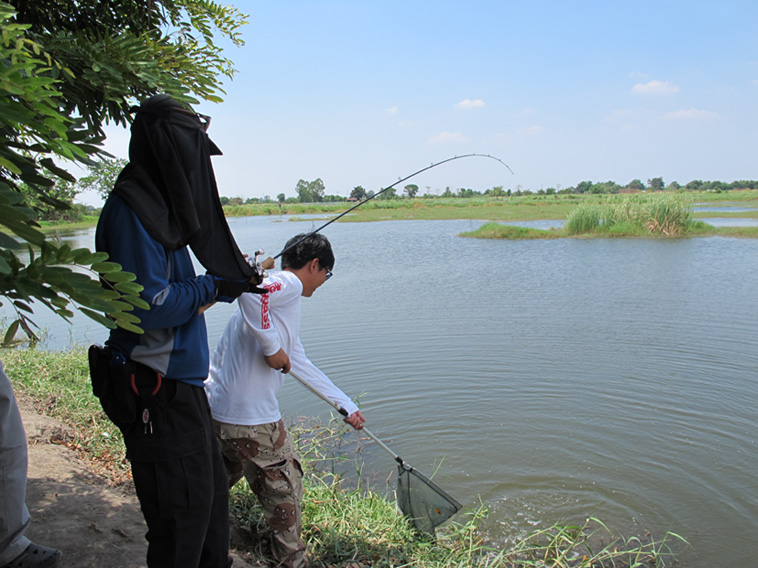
x=269 y=262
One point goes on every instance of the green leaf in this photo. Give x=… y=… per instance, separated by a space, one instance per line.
x=125 y=316
x=64 y=253
x=11 y=333
x=82 y=256
x=120 y=277
x=8 y=242
x=65 y=314
x=16 y=220
x=137 y=302
x=60 y=172
x=98 y=317
x=27 y=329
x=131 y=288
x=10 y=166
x=130 y=327
x=59 y=302
x=106 y=267
x=23 y=306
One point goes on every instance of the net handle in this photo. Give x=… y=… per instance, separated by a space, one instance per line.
x=344 y=413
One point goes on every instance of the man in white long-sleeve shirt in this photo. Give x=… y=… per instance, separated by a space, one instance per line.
x=260 y=344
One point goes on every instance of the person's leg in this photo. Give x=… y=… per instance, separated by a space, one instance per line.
x=180 y=481
x=15 y=548
x=216 y=546
x=232 y=461
x=14 y=517
x=275 y=476
x=185 y=503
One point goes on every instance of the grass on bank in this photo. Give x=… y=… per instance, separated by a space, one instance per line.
x=85 y=222
x=345 y=524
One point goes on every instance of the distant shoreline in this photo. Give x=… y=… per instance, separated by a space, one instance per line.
x=531 y=207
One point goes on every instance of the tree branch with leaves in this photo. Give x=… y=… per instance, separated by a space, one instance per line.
x=66 y=68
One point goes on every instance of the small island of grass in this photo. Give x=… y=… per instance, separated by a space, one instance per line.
x=628 y=216
x=494 y=230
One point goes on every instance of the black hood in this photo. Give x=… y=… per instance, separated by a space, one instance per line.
x=170 y=185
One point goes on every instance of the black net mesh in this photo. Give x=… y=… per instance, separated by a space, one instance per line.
x=426 y=505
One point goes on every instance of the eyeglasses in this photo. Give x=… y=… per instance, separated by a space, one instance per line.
x=205 y=120
x=321 y=264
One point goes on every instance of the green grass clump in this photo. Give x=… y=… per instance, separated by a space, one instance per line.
x=590 y=545
x=345 y=524
x=666 y=215
x=584 y=219
x=498 y=231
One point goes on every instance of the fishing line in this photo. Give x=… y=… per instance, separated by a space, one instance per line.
x=268 y=263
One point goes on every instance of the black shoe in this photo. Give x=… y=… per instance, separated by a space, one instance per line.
x=36 y=556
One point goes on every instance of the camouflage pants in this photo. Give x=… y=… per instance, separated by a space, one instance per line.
x=265 y=455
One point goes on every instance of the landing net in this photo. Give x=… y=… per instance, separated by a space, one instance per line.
x=422 y=501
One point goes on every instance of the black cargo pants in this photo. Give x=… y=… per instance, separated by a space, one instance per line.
x=178 y=470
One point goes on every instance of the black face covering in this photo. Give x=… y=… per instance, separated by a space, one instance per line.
x=170 y=185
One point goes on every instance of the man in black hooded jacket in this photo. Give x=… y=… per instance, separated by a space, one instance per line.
x=164 y=201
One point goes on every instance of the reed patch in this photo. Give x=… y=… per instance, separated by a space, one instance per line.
x=667 y=215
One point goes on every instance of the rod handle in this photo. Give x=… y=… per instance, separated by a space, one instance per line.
x=267 y=264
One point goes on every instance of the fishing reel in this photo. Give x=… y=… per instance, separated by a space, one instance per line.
x=260 y=266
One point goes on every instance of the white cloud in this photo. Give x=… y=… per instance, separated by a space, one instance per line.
x=655 y=87
x=392 y=110
x=689 y=114
x=448 y=137
x=468 y=103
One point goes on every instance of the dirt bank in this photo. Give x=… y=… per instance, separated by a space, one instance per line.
x=73 y=509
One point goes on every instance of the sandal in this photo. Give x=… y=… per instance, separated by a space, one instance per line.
x=36 y=556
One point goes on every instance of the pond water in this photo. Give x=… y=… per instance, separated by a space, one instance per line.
x=554 y=380
x=730 y=222
x=713 y=209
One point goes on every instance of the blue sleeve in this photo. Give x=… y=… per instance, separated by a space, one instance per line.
x=171 y=287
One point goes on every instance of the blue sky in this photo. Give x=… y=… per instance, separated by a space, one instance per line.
x=360 y=93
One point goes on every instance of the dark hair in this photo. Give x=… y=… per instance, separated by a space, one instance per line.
x=303 y=248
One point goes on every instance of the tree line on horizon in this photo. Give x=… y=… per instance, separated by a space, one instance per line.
x=315 y=191
x=102 y=175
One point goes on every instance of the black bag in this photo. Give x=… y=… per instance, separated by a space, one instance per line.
x=112 y=378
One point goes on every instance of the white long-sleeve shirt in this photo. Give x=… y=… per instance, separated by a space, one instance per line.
x=241 y=387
